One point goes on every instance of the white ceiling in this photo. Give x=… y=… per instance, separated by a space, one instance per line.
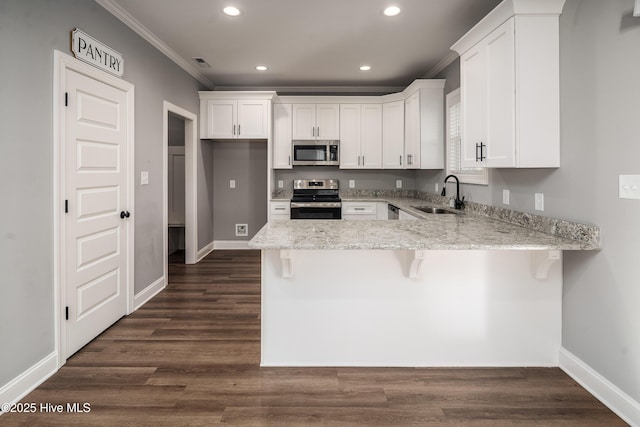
x=305 y=43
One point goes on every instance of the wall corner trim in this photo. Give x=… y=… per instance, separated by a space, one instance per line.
x=602 y=389
x=204 y=251
x=27 y=381
x=142 y=297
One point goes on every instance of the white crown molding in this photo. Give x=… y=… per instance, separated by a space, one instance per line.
x=444 y=63
x=321 y=90
x=124 y=16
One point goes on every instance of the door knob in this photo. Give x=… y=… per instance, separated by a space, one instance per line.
x=125 y=214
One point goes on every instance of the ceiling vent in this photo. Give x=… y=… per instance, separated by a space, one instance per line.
x=201 y=62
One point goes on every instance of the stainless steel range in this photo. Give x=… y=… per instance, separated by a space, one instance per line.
x=316 y=199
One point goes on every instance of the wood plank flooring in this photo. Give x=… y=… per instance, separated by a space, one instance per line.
x=190 y=357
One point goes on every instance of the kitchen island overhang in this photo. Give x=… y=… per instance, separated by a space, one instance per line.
x=338 y=293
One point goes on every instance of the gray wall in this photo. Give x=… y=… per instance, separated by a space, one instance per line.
x=600 y=110
x=364 y=179
x=29 y=32
x=175 y=131
x=205 y=194
x=246 y=163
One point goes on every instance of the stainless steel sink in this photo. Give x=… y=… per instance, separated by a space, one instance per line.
x=434 y=210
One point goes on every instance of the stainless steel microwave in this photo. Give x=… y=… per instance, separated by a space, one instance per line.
x=316 y=153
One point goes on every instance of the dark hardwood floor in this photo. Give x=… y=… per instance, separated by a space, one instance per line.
x=190 y=357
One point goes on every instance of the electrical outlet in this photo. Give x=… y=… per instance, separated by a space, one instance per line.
x=144 y=178
x=436 y=187
x=505 y=197
x=280 y=183
x=242 y=230
x=398 y=183
x=629 y=186
x=539 y=197
x=352 y=183
x=232 y=183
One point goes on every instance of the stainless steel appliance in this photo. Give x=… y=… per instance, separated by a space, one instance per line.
x=394 y=212
x=316 y=153
x=316 y=199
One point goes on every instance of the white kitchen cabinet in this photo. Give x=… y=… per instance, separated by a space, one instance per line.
x=393 y=135
x=510 y=87
x=282 y=126
x=224 y=117
x=382 y=210
x=424 y=127
x=359 y=210
x=279 y=210
x=316 y=121
x=360 y=136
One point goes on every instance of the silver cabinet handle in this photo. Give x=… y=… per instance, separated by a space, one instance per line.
x=234 y=129
x=358 y=160
x=318 y=135
x=238 y=130
x=289 y=160
x=363 y=160
x=400 y=160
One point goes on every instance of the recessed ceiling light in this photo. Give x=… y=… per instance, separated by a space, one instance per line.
x=392 y=11
x=365 y=68
x=231 y=11
x=261 y=68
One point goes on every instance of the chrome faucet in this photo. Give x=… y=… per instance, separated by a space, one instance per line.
x=458 y=204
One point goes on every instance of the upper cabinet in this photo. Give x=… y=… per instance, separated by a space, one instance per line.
x=424 y=127
x=393 y=135
x=282 y=124
x=509 y=65
x=316 y=121
x=360 y=136
x=232 y=115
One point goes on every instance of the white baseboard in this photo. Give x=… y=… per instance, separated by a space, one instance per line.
x=27 y=381
x=231 y=244
x=147 y=293
x=615 y=399
x=204 y=252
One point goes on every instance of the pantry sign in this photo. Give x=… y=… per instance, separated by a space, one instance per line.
x=91 y=51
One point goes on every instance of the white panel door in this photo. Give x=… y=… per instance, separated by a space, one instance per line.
x=371 y=136
x=95 y=185
x=253 y=119
x=350 y=157
x=412 y=132
x=282 y=136
x=221 y=119
x=304 y=121
x=392 y=135
x=473 y=92
x=328 y=121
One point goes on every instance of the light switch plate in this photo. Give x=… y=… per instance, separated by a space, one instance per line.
x=398 y=183
x=232 y=183
x=505 y=197
x=280 y=183
x=629 y=186
x=539 y=198
x=352 y=183
x=144 y=178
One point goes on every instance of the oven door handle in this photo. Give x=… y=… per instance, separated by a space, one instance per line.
x=316 y=205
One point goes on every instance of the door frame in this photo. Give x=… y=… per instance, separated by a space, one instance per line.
x=61 y=63
x=191 y=148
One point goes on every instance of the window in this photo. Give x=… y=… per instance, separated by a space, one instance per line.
x=454 y=145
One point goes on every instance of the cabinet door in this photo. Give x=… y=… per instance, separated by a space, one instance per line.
x=371 y=136
x=221 y=119
x=350 y=122
x=282 y=123
x=253 y=119
x=412 y=131
x=500 y=81
x=392 y=135
x=304 y=121
x=473 y=103
x=327 y=121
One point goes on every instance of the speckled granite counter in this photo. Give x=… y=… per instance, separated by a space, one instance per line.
x=436 y=232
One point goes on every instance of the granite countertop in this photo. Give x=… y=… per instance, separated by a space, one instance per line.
x=463 y=231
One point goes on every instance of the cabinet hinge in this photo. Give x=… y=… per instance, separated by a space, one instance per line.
x=66 y=99
x=66 y=206
x=66 y=313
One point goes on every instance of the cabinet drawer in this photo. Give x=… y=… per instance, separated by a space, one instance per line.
x=280 y=209
x=350 y=208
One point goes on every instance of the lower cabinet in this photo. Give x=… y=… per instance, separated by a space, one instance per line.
x=359 y=210
x=279 y=210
